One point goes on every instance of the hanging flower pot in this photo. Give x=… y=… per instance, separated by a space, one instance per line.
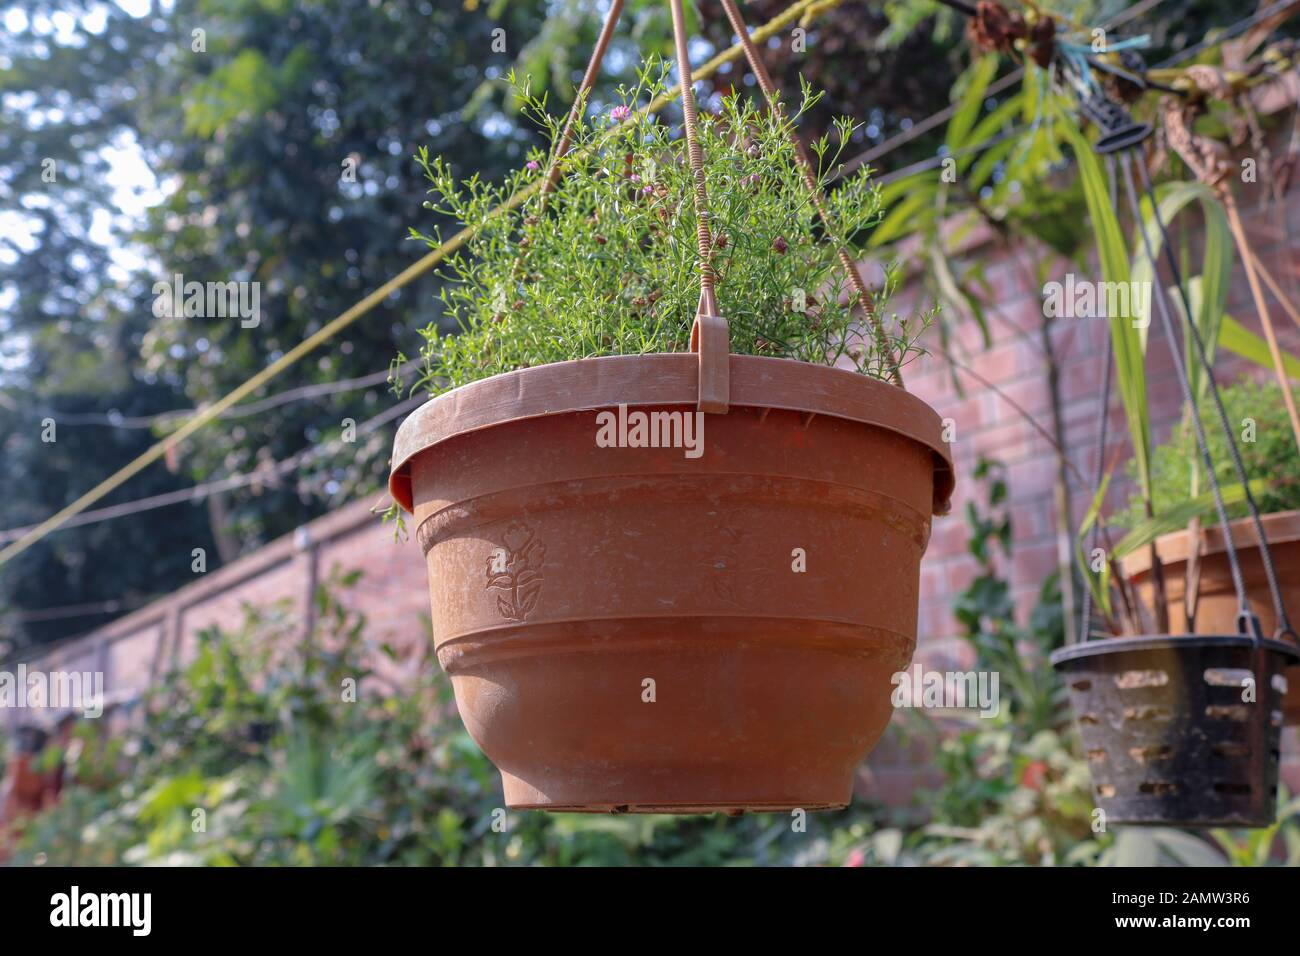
x=1216 y=599
x=711 y=626
x=1180 y=731
x=673 y=579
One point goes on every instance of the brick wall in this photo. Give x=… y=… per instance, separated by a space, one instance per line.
x=135 y=649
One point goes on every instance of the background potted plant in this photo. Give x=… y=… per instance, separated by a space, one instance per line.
x=639 y=628
x=1199 y=592
x=1178 y=730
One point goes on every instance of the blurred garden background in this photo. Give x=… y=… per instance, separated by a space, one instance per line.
x=273 y=141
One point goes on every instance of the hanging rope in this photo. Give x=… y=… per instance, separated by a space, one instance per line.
x=710 y=336
x=695 y=154
x=773 y=97
x=580 y=99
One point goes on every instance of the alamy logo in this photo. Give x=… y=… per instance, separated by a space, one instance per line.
x=61 y=690
x=1083 y=299
x=651 y=430
x=208 y=300
x=132 y=910
x=950 y=690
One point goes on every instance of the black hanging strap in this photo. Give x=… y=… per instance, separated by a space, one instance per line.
x=1284 y=628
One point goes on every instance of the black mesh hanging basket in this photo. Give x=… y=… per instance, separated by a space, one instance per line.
x=1180 y=731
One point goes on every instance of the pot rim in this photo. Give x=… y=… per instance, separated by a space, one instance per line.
x=1174 y=642
x=1281 y=527
x=667 y=378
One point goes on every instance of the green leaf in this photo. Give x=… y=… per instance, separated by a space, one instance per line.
x=1176 y=518
x=989 y=127
x=1239 y=340
x=1095 y=508
x=900 y=218
x=1130 y=372
x=988 y=161
x=1003 y=115
x=891 y=193
x=1172 y=199
x=972 y=85
x=954 y=294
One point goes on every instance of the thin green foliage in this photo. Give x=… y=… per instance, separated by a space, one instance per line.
x=607 y=263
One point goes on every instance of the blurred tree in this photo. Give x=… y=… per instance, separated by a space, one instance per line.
x=282 y=134
x=869 y=69
x=69 y=332
x=289 y=139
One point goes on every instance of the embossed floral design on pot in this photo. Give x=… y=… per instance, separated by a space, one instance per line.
x=516 y=568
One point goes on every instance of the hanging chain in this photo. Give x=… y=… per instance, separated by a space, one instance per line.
x=690 y=120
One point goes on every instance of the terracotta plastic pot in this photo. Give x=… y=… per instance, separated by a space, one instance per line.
x=644 y=629
x=1216 y=609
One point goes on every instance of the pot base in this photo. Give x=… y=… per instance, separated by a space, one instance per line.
x=733 y=797
x=749 y=714
x=678 y=808
x=736 y=809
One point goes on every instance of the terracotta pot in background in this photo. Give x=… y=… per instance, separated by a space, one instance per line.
x=1216 y=611
x=625 y=628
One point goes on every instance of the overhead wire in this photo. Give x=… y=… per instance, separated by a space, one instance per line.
x=319 y=390
x=263 y=475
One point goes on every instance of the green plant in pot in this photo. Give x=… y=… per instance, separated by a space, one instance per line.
x=1179 y=729
x=1199 y=592
x=671 y=502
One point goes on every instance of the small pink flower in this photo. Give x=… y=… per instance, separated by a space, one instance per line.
x=620 y=113
x=647 y=190
x=532 y=166
x=635 y=177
